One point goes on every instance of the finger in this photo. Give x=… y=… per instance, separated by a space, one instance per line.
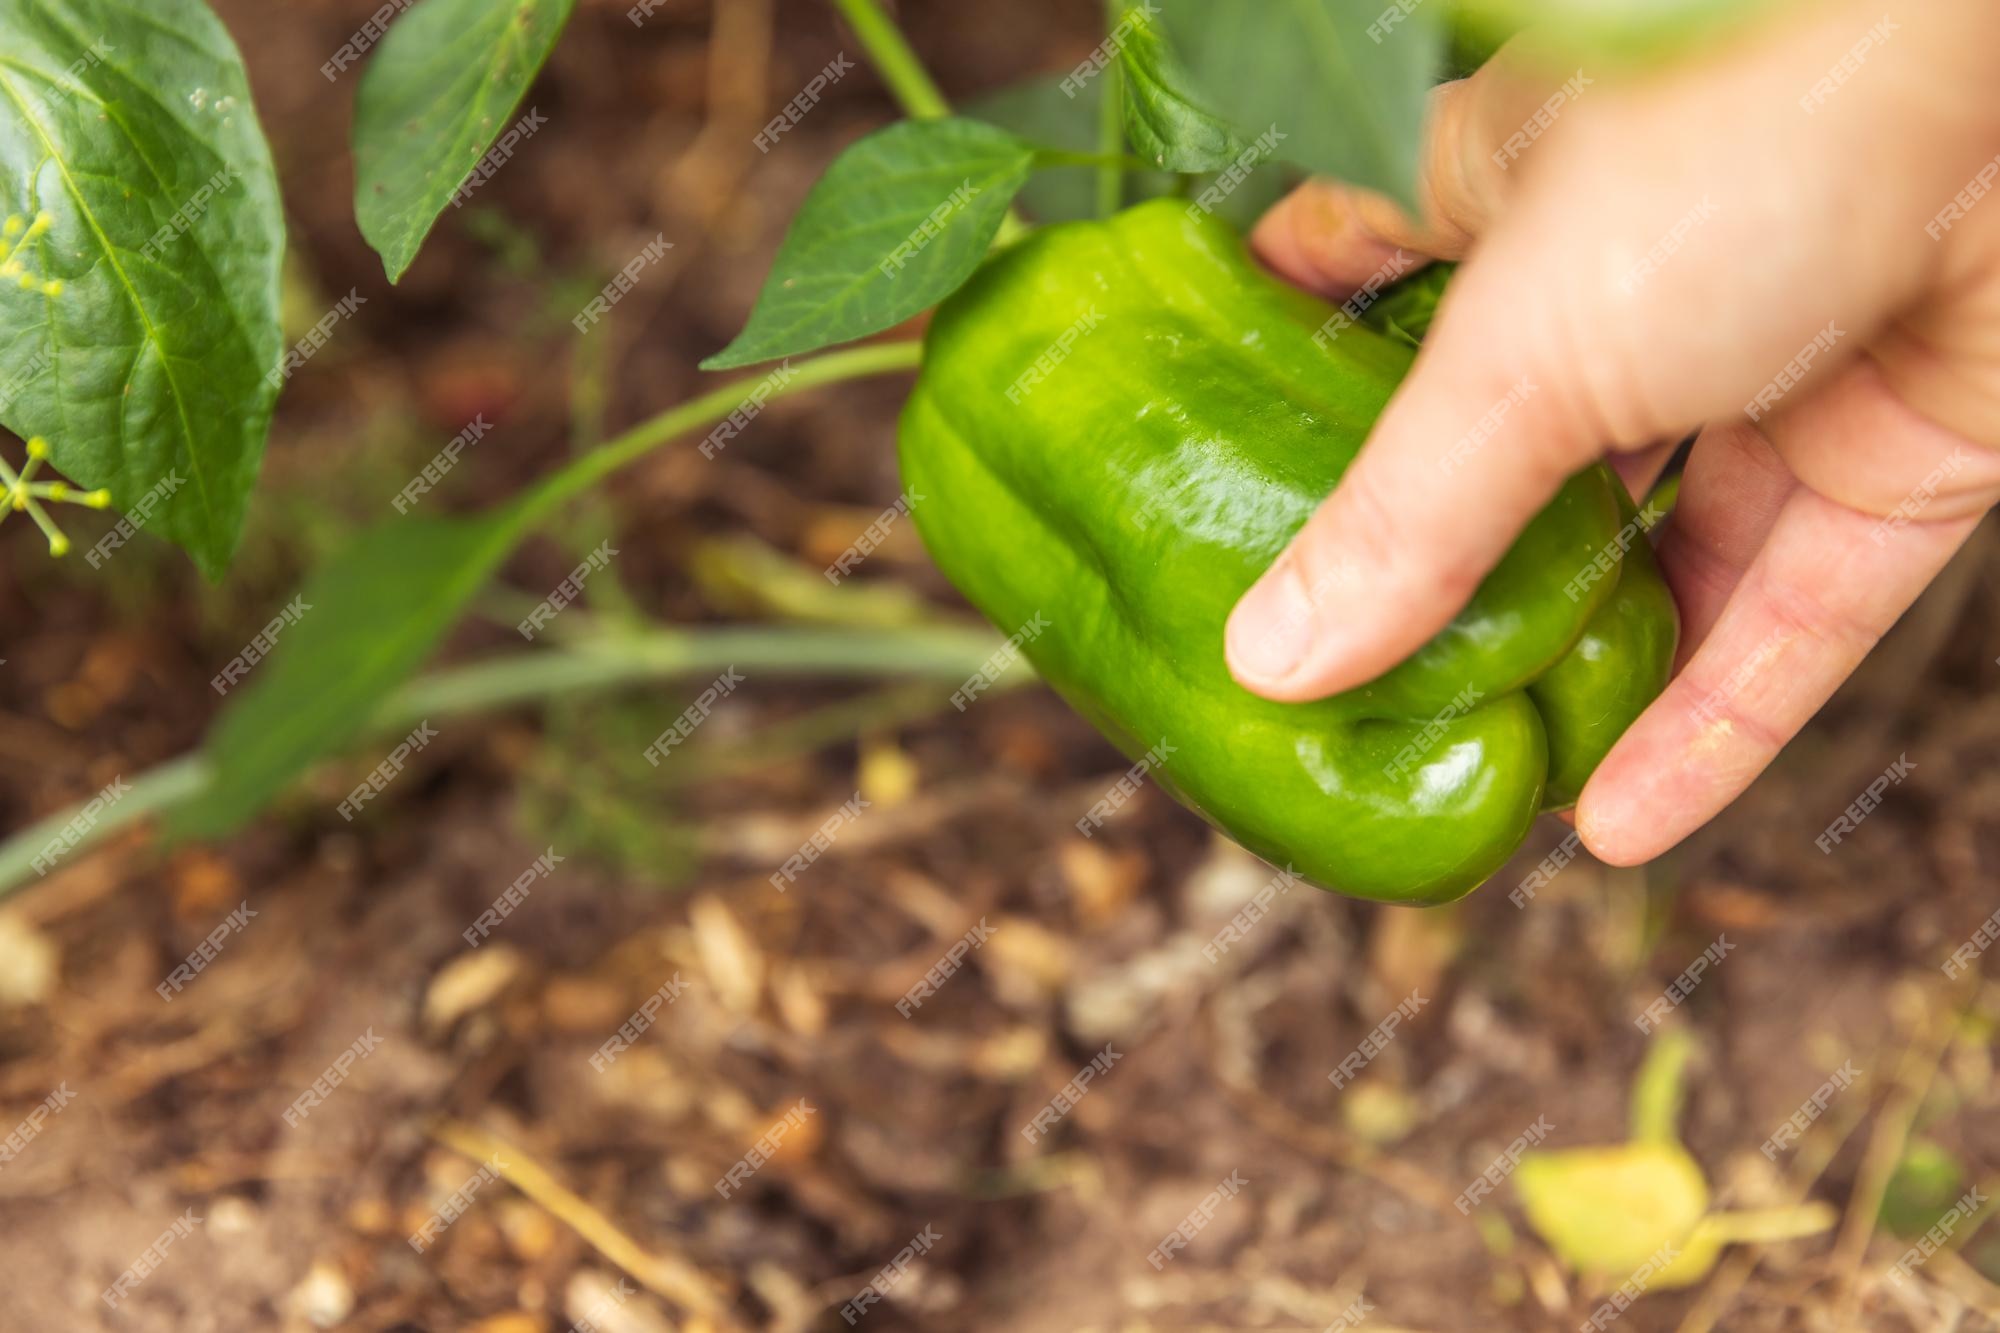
x=1815 y=600
x=1733 y=489
x=1315 y=238
x=1859 y=441
x=1331 y=237
x=1429 y=506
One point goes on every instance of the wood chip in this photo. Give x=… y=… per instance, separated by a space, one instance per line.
x=30 y=962
x=468 y=982
x=1100 y=881
x=730 y=958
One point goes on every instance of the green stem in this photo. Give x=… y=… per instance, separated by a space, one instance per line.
x=1659 y=1088
x=948 y=655
x=1064 y=157
x=589 y=390
x=601 y=462
x=151 y=792
x=1111 y=128
x=944 y=654
x=796 y=737
x=891 y=54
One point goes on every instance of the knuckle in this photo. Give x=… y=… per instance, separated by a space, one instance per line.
x=1598 y=393
x=1461 y=182
x=1363 y=522
x=1817 y=618
x=1377 y=545
x=1713 y=699
x=1330 y=558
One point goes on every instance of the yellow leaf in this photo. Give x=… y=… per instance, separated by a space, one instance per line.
x=1611 y=1210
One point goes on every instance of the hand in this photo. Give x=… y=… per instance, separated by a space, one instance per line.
x=1651 y=264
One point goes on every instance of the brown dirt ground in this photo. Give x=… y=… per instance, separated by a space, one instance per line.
x=1222 y=1066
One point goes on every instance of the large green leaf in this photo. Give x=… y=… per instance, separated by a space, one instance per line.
x=131 y=127
x=441 y=89
x=370 y=617
x=1342 y=82
x=897 y=223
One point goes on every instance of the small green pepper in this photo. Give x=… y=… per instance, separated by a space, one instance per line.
x=1118 y=427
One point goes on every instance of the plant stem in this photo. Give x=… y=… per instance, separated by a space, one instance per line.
x=1111 y=128
x=1658 y=1089
x=151 y=792
x=1765 y=1226
x=890 y=52
x=1062 y=157
x=926 y=652
x=898 y=705
x=942 y=654
x=589 y=388
x=601 y=462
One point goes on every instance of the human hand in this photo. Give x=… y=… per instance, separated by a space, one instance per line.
x=1662 y=259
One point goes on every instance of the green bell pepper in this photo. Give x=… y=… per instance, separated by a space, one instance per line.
x=1120 y=424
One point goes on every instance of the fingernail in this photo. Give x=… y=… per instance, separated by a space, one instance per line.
x=1271 y=627
x=1599 y=830
x=1606 y=822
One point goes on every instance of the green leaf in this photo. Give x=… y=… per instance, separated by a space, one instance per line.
x=131 y=127
x=1406 y=309
x=1610 y=1210
x=438 y=93
x=1324 y=81
x=898 y=222
x=367 y=619
x=1163 y=121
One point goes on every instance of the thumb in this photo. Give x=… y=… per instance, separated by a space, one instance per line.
x=1480 y=436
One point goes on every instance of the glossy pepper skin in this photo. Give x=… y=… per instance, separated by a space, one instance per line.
x=1120 y=424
